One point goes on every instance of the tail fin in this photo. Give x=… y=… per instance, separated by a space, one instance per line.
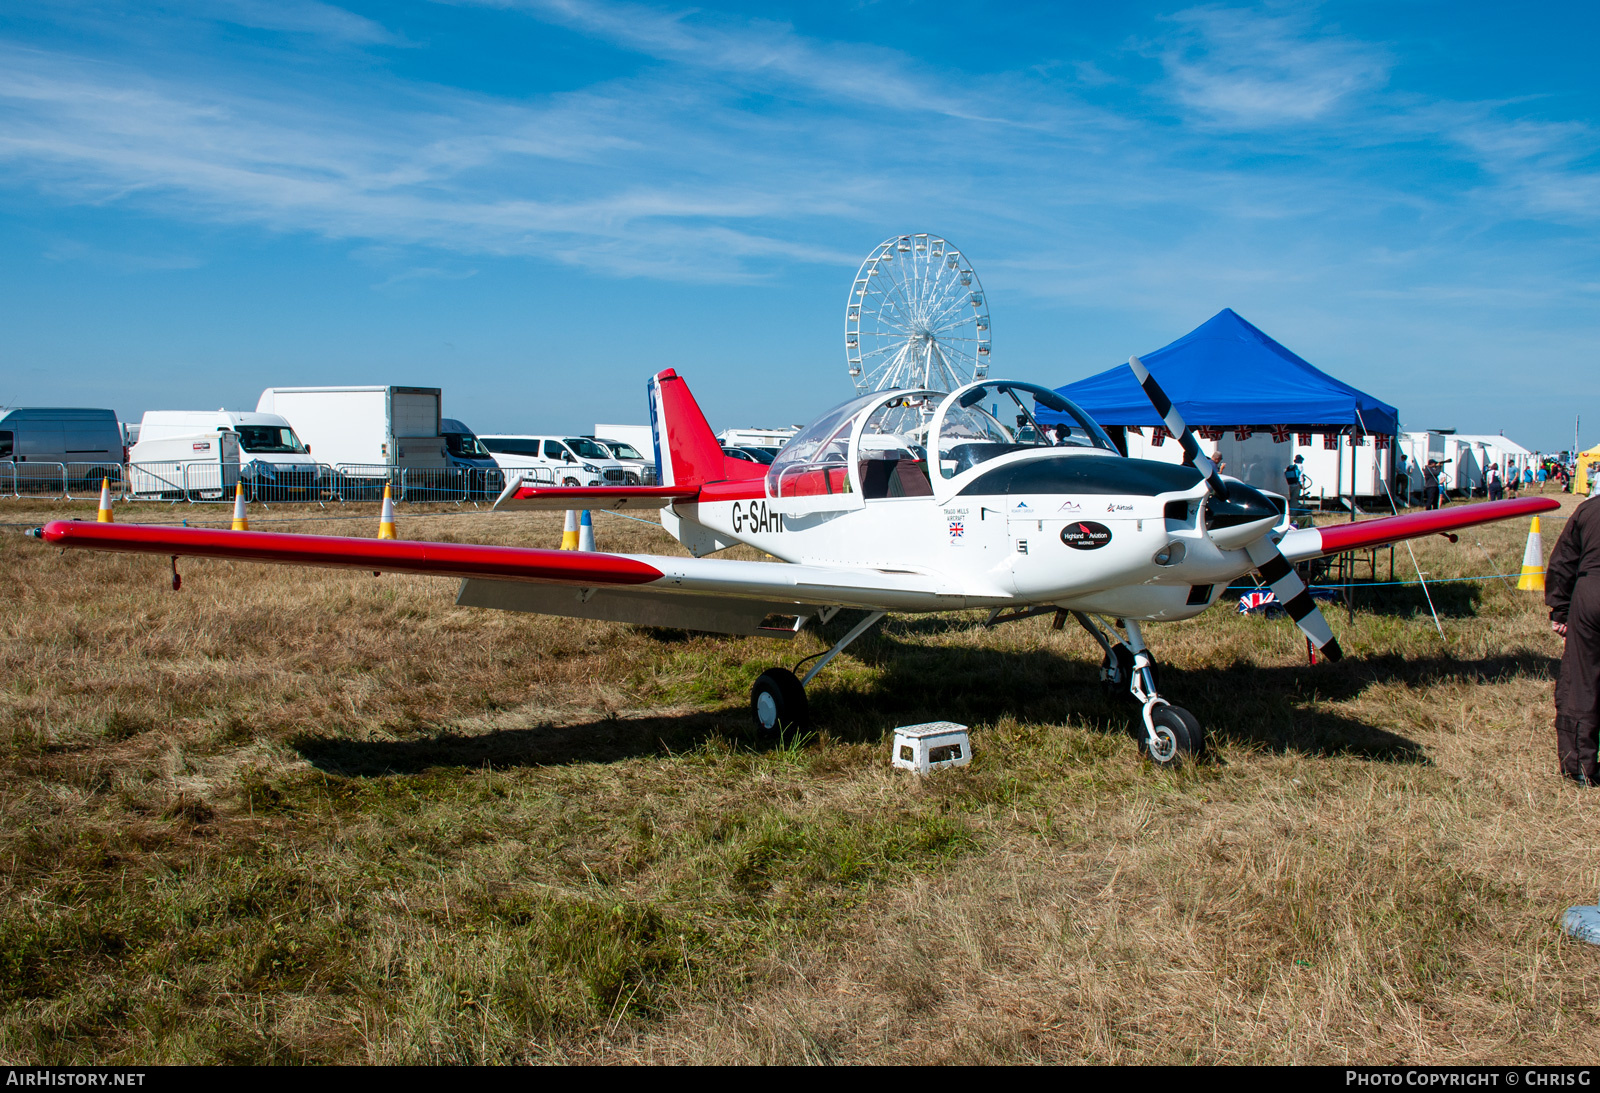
x=687 y=453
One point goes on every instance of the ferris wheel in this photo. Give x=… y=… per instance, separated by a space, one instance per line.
x=916 y=317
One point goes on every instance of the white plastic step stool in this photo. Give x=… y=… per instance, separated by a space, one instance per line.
x=934 y=746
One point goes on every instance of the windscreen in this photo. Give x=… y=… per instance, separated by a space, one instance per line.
x=269 y=439
x=465 y=446
x=623 y=451
x=997 y=419
x=588 y=449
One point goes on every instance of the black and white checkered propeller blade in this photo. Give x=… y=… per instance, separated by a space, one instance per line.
x=1274 y=568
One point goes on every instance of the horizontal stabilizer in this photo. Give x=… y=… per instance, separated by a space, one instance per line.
x=518 y=497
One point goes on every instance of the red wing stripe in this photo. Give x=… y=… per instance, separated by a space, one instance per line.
x=387 y=555
x=600 y=494
x=1391 y=529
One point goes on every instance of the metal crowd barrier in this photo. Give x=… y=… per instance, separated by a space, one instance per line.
x=35 y=479
x=197 y=482
x=59 y=480
x=365 y=481
x=200 y=481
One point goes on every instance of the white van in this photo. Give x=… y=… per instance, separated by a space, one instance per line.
x=573 y=460
x=638 y=470
x=200 y=454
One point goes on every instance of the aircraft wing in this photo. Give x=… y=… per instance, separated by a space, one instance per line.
x=657 y=590
x=1304 y=543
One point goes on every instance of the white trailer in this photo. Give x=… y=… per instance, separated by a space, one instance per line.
x=640 y=436
x=364 y=426
x=195 y=466
x=757 y=438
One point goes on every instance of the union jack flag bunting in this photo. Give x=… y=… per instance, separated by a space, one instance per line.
x=1255 y=601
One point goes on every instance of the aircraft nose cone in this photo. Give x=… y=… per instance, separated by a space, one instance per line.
x=1242 y=515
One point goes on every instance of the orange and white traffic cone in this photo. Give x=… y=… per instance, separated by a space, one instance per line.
x=386 y=520
x=104 y=516
x=585 y=531
x=1532 y=579
x=569 y=533
x=239 y=521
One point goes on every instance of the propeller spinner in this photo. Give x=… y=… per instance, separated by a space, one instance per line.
x=1273 y=567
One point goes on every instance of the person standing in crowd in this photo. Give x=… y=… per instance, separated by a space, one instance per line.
x=1572 y=592
x=1492 y=485
x=1430 y=484
x=1294 y=474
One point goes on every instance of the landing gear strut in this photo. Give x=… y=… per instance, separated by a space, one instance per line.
x=778 y=700
x=1170 y=733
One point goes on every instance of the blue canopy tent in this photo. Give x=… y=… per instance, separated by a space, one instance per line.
x=1225 y=372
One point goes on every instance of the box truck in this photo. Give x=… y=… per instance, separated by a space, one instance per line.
x=364 y=427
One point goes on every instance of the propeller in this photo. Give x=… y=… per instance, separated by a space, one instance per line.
x=1274 y=568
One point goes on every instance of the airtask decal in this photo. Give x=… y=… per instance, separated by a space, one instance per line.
x=1086 y=535
x=756 y=518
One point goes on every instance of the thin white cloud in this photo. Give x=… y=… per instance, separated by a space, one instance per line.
x=768 y=51
x=1247 y=68
x=307 y=17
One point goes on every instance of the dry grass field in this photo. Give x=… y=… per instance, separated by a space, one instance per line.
x=293 y=815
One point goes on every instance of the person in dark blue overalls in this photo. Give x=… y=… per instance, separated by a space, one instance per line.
x=1295 y=475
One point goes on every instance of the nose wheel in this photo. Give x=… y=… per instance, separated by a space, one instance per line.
x=1170 y=734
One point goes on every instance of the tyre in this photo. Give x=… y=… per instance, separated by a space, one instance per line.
x=778 y=703
x=570 y=482
x=1179 y=737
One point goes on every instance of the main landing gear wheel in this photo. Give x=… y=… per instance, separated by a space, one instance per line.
x=778 y=703
x=1177 y=736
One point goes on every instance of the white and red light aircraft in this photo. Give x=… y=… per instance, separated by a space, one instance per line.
x=907 y=501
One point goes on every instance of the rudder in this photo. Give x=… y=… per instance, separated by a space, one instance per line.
x=687 y=452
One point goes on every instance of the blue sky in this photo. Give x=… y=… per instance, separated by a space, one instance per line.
x=534 y=204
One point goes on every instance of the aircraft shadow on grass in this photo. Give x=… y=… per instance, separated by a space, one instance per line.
x=1277 y=708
